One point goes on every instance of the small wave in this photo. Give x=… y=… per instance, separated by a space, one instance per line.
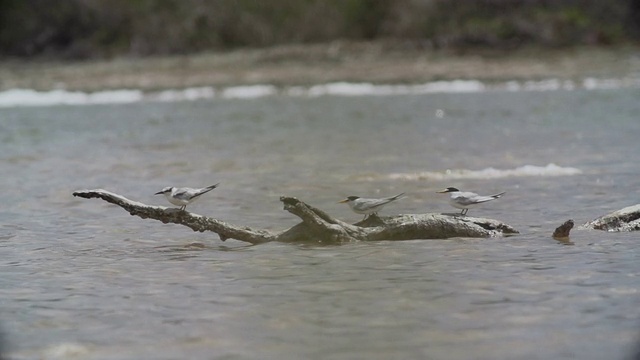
x=368 y=89
x=208 y=92
x=249 y=92
x=541 y=85
x=488 y=173
x=27 y=97
x=556 y=84
x=66 y=351
x=606 y=84
x=189 y=94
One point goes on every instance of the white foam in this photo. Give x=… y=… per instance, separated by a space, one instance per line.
x=536 y=85
x=66 y=351
x=249 y=92
x=488 y=173
x=189 y=94
x=456 y=86
x=27 y=97
x=596 y=84
x=368 y=89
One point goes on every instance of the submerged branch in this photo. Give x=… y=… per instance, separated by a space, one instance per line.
x=562 y=231
x=316 y=225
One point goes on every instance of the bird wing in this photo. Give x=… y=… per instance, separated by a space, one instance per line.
x=469 y=198
x=212 y=186
x=378 y=202
x=203 y=190
x=495 y=196
x=481 y=199
x=477 y=199
x=366 y=204
x=183 y=193
x=392 y=198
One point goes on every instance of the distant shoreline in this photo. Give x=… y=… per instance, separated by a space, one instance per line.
x=377 y=62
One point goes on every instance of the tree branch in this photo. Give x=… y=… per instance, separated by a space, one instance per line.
x=172 y=215
x=316 y=225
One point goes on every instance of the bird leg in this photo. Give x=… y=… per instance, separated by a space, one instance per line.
x=370 y=215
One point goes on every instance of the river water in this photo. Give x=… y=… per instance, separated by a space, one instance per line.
x=81 y=279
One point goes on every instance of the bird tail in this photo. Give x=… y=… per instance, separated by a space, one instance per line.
x=396 y=197
x=498 y=195
x=212 y=186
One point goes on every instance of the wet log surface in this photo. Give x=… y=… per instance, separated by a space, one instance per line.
x=627 y=219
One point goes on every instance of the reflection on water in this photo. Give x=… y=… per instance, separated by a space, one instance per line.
x=83 y=279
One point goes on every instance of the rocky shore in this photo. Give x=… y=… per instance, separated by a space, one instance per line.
x=377 y=62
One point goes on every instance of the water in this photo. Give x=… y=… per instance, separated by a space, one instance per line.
x=81 y=279
x=28 y=97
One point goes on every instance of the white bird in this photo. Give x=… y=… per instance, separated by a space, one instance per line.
x=184 y=196
x=465 y=199
x=368 y=206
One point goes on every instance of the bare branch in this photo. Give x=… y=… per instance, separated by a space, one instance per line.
x=316 y=225
x=182 y=217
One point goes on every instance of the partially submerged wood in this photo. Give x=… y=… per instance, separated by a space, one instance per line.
x=627 y=219
x=318 y=226
x=176 y=216
x=561 y=233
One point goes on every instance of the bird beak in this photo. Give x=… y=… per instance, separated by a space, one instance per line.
x=158 y=193
x=343 y=201
x=443 y=191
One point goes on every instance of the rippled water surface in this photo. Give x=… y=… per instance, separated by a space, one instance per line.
x=81 y=279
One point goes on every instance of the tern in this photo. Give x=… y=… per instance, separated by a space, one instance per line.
x=465 y=199
x=184 y=196
x=368 y=206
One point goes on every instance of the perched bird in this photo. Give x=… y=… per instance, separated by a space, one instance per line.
x=465 y=199
x=368 y=206
x=184 y=196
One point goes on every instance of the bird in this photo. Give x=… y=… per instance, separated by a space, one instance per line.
x=184 y=196
x=368 y=206
x=465 y=199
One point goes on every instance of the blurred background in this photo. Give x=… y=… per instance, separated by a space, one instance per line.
x=86 y=29
x=318 y=100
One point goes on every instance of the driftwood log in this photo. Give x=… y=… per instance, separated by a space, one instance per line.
x=318 y=226
x=627 y=219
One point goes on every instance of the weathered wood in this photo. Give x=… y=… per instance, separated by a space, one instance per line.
x=627 y=219
x=318 y=226
x=562 y=231
x=182 y=217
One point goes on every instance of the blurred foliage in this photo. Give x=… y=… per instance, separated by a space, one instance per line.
x=105 y=28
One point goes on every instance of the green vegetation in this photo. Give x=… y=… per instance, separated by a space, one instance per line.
x=104 y=28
